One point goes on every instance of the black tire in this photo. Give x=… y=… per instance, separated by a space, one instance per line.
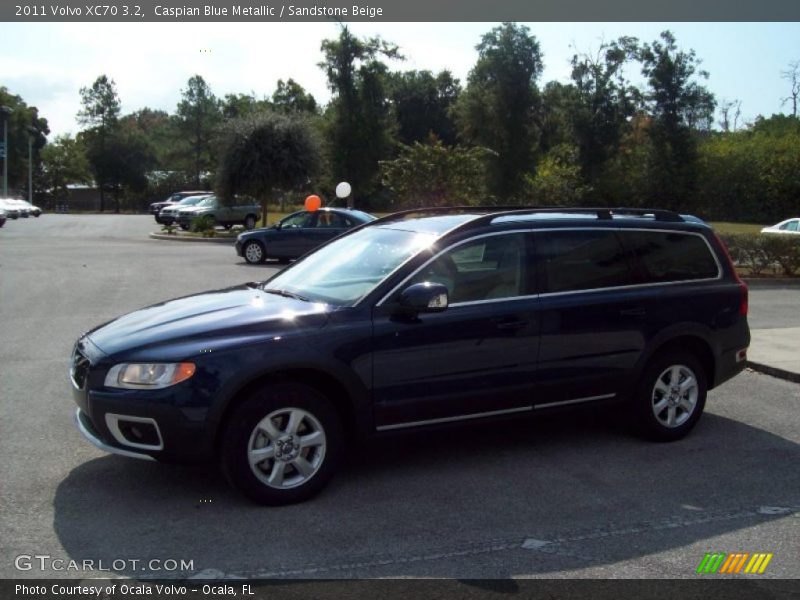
x=241 y=435
x=249 y=222
x=253 y=252
x=184 y=227
x=659 y=371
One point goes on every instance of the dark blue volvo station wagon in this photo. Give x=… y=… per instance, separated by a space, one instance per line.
x=421 y=318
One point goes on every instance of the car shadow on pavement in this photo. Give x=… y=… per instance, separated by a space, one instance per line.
x=572 y=490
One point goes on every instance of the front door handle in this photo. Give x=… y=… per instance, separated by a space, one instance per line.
x=633 y=312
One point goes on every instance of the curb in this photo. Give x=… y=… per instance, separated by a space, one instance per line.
x=178 y=238
x=772 y=281
x=774 y=371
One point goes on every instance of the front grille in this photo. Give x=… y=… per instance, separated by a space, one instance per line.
x=79 y=370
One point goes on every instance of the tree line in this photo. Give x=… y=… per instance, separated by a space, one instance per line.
x=417 y=138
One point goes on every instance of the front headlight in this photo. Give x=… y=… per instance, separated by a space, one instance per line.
x=149 y=376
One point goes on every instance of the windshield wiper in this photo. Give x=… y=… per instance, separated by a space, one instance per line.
x=286 y=294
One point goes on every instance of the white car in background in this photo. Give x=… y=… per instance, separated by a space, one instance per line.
x=7 y=206
x=32 y=209
x=788 y=226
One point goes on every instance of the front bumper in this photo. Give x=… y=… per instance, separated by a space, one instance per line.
x=185 y=220
x=184 y=433
x=86 y=428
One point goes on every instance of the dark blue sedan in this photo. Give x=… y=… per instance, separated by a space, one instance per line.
x=297 y=234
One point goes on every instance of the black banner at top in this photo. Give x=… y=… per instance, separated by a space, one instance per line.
x=396 y=11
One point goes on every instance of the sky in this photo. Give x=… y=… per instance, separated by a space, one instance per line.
x=48 y=63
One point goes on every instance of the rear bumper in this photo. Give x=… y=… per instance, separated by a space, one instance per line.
x=730 y=364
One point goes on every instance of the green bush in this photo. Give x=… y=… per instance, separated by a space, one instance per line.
x=759 y=252
x=783 y=250
x=204 y=225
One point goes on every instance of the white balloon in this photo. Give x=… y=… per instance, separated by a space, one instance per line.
x=343 y=190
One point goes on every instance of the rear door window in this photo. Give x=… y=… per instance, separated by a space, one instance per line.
x=581 y=260
x=330 y=220
x=670 y=256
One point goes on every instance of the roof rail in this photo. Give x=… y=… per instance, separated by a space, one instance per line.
x=492 y=212
x=602 y=212
x=403 y=214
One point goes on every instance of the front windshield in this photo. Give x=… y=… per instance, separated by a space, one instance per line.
x=208 y=201
x=350 y=267
x=191 y=200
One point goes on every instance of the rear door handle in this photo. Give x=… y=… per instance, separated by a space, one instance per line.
x=633 y=312
x=510 y=325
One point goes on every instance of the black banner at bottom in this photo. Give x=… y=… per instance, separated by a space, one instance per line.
x=401 y=589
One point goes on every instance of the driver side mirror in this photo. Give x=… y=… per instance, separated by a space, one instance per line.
x=277 y=225
x=425 y=297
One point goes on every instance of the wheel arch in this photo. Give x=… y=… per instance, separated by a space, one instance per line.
x=694 y=340
x=336 y=391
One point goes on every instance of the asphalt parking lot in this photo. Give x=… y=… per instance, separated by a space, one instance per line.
x=569 y=496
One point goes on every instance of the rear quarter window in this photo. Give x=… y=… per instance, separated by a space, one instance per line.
x=670 y=256
x=582 y=260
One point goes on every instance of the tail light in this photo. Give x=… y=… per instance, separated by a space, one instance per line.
x=743 y=297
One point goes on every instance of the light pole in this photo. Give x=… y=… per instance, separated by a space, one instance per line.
x=5 y=111
x=32 y=132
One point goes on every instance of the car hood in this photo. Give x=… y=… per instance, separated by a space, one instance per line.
x=257 y=233
x=208 y=321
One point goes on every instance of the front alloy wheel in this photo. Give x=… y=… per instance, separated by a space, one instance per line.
x=282 y=443
x=286 y=448
x=253 y=252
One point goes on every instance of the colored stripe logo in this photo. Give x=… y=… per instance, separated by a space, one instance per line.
x=734 y=563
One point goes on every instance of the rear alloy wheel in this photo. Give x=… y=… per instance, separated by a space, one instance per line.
x=249 y=222
x=253 y=252
x=282 y=444
x=671 y=396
